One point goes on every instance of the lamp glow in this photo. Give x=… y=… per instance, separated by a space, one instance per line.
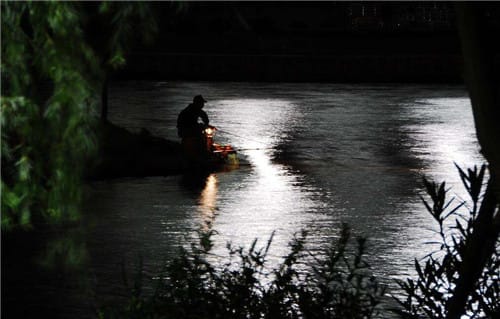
x=209 y=131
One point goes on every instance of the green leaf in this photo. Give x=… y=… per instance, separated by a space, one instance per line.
x=118 y=60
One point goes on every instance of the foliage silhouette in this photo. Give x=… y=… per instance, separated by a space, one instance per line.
x=340 y=285
x=48 y=99
x=441 y=275
x=53 y=71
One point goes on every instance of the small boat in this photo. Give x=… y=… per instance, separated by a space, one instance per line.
x=223 y=154
x=207 y=155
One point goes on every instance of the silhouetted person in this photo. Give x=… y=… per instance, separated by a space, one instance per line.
x=191 y=131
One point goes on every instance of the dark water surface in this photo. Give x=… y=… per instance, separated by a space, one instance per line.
x=316 y=155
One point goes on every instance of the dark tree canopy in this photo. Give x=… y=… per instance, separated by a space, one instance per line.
x=55 y=59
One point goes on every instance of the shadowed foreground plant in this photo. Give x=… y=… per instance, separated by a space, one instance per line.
x=339 y=285
x=462 y=277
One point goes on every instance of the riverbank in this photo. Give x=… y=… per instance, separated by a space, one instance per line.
x=123 y=154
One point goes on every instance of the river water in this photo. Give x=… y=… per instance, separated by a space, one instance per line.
x=313 y=156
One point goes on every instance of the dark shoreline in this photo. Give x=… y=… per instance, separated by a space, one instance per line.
x=126 y=154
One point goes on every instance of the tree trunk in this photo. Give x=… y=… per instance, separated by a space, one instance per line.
x=482 y=83
x=483 y=90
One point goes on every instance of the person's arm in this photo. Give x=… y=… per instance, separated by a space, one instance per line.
x=204 y=117
x=179 y=119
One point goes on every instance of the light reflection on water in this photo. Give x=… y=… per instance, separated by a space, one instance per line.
x=208 y=201
x=270 y=199
x=318 y=155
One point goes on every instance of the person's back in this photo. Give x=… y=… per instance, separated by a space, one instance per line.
x=187 y=122
x=191 y=131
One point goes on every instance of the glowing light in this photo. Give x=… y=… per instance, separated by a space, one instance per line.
x=208 y=200
x=210 y=131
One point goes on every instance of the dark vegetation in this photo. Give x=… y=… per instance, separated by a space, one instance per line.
x=54 y=71
x=335 y=284
x=328 y=41
x=441 y=275
x=56 y=60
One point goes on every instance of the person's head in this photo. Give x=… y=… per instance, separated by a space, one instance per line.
x=199 y=101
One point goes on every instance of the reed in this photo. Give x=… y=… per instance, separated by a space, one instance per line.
x=462 y=276
x=337 y=284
